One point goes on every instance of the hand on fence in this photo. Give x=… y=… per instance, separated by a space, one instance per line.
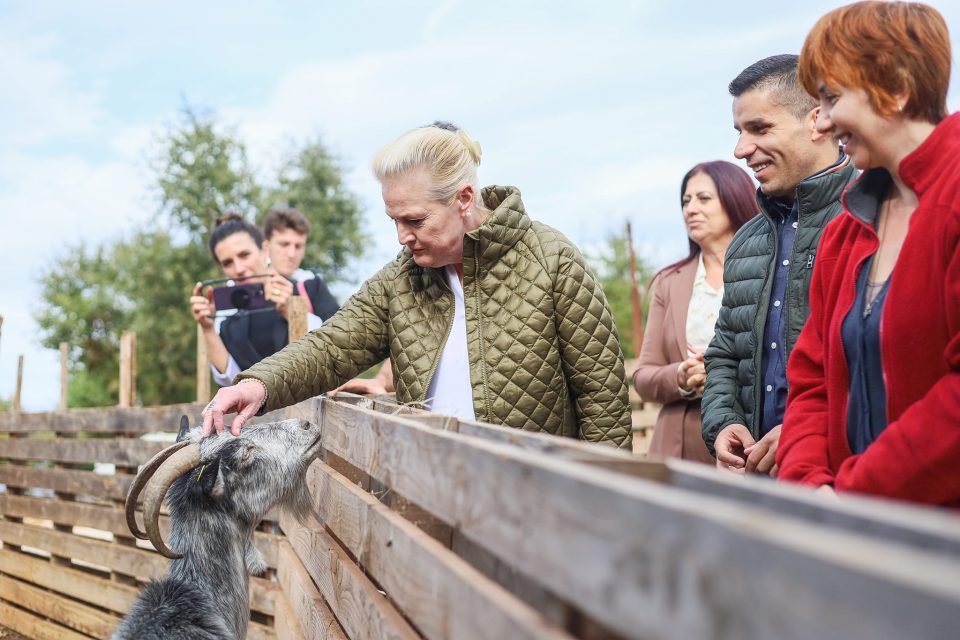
x=201 y=306
x=245 y=398
x=731 y=445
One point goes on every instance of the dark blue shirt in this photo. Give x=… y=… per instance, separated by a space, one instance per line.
x=867 y=405
x=786 y=216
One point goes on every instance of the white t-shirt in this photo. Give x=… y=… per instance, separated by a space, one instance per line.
x=450 y=391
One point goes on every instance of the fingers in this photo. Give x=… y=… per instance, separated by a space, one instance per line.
x=197 y=288
x=731 y=446
x=760 y=458
x=774 y=470
x=242 y=418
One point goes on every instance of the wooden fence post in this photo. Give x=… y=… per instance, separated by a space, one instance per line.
x=16 y=394
x=203 y=368
x=297 y=321
x=64 y=351
x=128 y=369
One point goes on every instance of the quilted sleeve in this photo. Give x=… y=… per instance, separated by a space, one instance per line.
x=590 y=352
x=350 y=342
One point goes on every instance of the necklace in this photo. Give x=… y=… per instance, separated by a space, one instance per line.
x=873 y=289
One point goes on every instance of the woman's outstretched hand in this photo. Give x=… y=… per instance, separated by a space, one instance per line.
x=244 y=398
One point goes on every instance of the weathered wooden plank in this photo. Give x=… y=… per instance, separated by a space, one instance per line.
x=921 y=528
x=364 y=613
x=104 y=518
x=119 y=451
x=72 y=582
x=439 y=592
x=257 y=631
x=113 y=487
x=285 y=623
x=131 y=561
x=309 y=616
x=132 y=420
x=649 y=559
x=35 y=627
x=65 y=611
x=73 y=513
x=570 y=448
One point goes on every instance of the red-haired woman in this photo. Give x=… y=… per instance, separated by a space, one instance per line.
x=717 y=198
x=874 y=403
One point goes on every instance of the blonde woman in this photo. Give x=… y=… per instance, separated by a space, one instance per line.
x=485 y=314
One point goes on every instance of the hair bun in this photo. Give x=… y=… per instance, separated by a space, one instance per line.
x=229 y=216
x=472 y=145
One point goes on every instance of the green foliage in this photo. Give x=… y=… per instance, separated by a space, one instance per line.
x=142 y=283
x=311 y=181
x=612 y=266
x=202 y=173
x=84 y=307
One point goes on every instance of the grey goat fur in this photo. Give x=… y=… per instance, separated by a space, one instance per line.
x=214 y=508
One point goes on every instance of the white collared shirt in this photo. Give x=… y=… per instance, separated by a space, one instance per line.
x=703 y=310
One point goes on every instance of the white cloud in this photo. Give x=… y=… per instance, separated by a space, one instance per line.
x=41 y=100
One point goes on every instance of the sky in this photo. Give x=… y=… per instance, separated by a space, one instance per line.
x=595 y=110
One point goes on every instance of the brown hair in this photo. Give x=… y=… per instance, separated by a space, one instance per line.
x=888 y=49
x=280 y=219
x=228 y=224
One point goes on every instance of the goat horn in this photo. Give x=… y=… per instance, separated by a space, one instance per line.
x=141 y=481
x=179 y=463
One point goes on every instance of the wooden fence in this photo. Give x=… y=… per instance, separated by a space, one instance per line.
x=430 y=527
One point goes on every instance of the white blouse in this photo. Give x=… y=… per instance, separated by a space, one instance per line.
x=450 y=391
x=703 y=311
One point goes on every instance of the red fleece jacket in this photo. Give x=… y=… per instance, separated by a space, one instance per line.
x=917 y=457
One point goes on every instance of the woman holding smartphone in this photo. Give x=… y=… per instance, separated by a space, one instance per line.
x=242 y=339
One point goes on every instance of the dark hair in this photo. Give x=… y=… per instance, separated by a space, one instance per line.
x=229 y=224
x=776 y=75
x=736 y=193
x=280 y=219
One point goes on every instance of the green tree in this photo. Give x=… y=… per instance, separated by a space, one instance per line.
x=84 y=306
x=311 y=180
x=612 y=266
x=142 y=282
x=202 y=173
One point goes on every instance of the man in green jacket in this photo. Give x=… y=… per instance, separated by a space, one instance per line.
x=768 y=265
x=485 y=314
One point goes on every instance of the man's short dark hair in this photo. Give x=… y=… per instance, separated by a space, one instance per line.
x=776 y=75
x=280 y=219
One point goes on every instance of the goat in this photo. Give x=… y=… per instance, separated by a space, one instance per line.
x=219 y=488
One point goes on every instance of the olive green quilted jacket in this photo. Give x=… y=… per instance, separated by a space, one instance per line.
x=544 y=352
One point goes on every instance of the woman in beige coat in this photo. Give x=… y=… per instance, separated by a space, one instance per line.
x=717 y=199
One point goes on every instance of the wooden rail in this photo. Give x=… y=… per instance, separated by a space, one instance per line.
x=426 y=526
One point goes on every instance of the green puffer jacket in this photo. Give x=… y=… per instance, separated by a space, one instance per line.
x=544 y=352
x=731 y=395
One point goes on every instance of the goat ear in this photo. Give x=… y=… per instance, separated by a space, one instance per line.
x=208 y=475
x=184 y=428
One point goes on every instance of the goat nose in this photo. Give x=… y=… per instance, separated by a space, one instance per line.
x=305 y=425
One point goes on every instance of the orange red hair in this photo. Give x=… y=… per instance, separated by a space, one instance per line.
x=888 y=49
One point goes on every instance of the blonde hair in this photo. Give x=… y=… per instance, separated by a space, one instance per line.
x=448 y=154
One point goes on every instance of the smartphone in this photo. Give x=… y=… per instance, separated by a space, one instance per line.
x=241 y=296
